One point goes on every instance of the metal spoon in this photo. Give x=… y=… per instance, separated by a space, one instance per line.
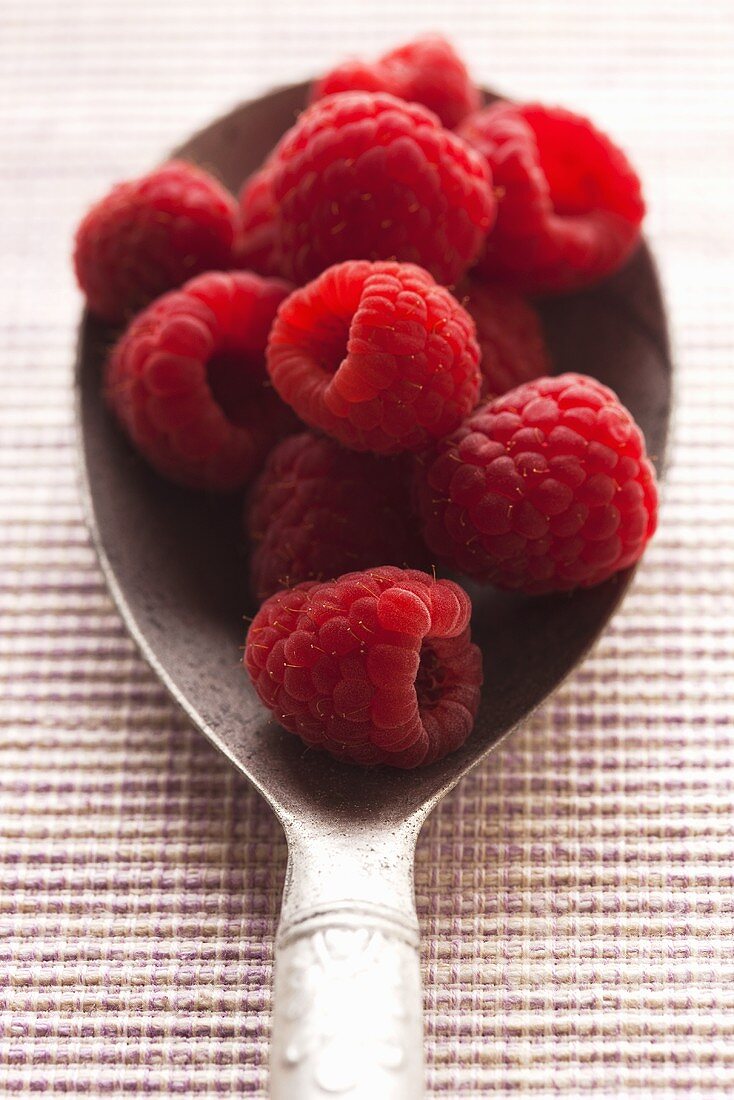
x=347 y=1000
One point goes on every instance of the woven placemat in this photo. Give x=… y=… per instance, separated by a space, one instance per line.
x=575 y=893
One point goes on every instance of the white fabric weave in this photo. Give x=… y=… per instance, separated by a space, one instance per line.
x=576 y=892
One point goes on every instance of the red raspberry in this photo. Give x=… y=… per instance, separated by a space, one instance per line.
x=510 y=336
x=150 y=235
x=364 y=176
x=570 y=204
x=545 y=489
x=317 y=511
x=255 y=246
x=375 y=667
x=426 y=71
x=376 y=355
x=188 y=383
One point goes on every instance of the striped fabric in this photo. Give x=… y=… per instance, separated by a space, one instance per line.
x=575 y=893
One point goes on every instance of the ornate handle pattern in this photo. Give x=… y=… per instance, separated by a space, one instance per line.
x=348 y=1017
x=347 y=1013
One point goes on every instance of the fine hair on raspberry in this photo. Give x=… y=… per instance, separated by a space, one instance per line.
x=377 y=355
x=188 y=383
x=547 y=488
x=375 y=667
x=317 y=511
x=369 y=176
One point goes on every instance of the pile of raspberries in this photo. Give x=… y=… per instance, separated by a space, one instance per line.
x=352 y=343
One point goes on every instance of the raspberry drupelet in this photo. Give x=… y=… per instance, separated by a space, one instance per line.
x=368 y=176
x=317 y=511
x=188 y=383
x=545 y=489
x=377 y=355
x=427 y=71
x=569 y=202
x=510 y=336
x=376 y=667
x=150 y=235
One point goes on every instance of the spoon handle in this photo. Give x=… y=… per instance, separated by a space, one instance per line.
x=347 y=1018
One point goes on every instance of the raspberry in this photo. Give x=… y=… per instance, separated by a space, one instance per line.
x=255 y=246
x=570 y=204
x=317 y=511
x=510 y=336
x=545 y=489
x=150 y=235
x=188 y=383
x=375 y=667
x=376 y=355
x=426 y=71
x=364 y=176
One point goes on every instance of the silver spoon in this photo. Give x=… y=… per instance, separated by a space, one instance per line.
x=347 y=1018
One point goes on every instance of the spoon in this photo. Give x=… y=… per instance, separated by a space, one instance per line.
x=347 y=1018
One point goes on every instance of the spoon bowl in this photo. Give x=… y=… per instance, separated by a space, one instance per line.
x=173 y=561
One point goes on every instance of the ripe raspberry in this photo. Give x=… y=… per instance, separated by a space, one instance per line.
x=364 y=176
x=510 y=336
x=254 y=248
x=570 y=204
x=376 y=355
x=545 y=489
x=150 y=235
x=375 y=667
x=426 y=71
x=317 y=511
x=188 y=383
